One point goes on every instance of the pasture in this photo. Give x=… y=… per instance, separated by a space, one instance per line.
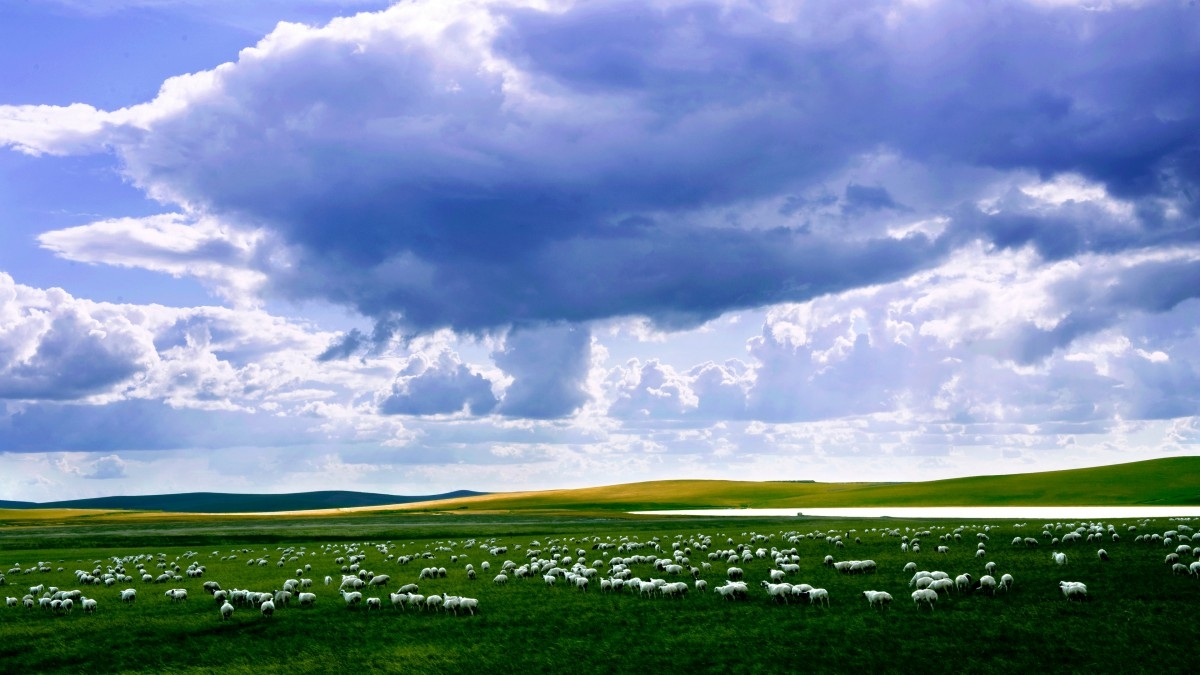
x=1136 y=618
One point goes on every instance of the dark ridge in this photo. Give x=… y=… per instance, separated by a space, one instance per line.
x=218 y=502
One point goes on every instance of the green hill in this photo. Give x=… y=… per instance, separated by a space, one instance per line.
x=218 y=502
x=1160 y=482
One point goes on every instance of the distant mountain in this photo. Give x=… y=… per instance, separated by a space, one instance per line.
x=218 y=502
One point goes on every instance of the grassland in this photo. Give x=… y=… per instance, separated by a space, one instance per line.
x=1138 y=611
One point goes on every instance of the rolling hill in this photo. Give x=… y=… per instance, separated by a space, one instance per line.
x=1171 y=481
x=217 y=502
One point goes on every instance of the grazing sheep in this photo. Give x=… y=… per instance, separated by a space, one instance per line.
x=1006 y=582
x=211 y=587
x=877 y=598
x=374 y=603
x=990 y=568
x=1179 y=568
x=962 y=581
x=776 y=576
x=267 y=608
x=282 y=598
x=940 y=585
x=581 y=583
x=910 y=567
x=129 y=595
x=1059 y=558
x=1193 y=569
x=379 y=580
x=500 y=579
x=701 y=585
x=307 y=599
x=1172 y=558
x=1103 y=555
x=732 y=590
x=226 y=611
x=328 y=580
x=352 y=598
x=433 y=602
x=735 y=573
x=176 y=594
x=469 y=604
x=818 y=595
x=11 y=602
x=987 y=581
x=926 y=596
x=1073 y=590
x=777 y=591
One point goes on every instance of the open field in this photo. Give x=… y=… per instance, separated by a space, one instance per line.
x=1138 y=615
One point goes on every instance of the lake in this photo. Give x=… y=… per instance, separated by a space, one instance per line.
x=955 y=512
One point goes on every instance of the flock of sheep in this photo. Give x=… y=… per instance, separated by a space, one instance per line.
x=653 y=567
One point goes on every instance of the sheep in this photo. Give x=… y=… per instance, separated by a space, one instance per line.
x=11 y=602
x=282 y=598
x=1073 y=590
x=1006 y=582
x=129 y=595
x=581 y=582
x=1172 y=558
x=877 y=598
x=1194 y=569
x=926 y=596
x=226 y=611
x=379 y=580
x=500 y=580
x=940 y=585
x=374 y=603
x=776 y=576
x=328 y=580
x=307 y=599
x=910 y=567
x=469 y=604
x=267 y=608
x=352 y=598
x=1059 y=558
x=220 y=596
x=777 y=591
x=408 y=588
x=1179 y=568
x=211 y=587
x=989 y=568
x=732 y=590
x=735 y=573
x=702 y=585
x=176 y=594
x=818 y=595
x=433 y=602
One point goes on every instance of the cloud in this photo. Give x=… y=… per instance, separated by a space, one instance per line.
x=107 y=468
x=526 y=164
x=54 y=347
x=549 y=366
x=438 y=386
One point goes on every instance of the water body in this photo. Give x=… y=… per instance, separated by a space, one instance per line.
x=956 y=512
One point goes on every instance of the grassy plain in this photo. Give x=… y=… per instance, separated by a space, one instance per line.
x=1139 y=611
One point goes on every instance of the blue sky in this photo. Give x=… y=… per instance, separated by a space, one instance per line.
x=283 y=246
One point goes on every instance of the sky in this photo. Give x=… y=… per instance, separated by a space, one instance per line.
x=526 y=244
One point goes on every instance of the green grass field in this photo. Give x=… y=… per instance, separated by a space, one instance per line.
x=1138 y=610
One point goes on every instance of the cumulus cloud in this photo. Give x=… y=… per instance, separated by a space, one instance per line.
x=531 y=165
x=53 y=347
x=438 y=386
x=549 y=366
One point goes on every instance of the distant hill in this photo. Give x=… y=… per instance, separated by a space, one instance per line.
x=218 y=502
x=1172 y=481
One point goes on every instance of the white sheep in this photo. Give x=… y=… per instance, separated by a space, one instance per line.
x=267 y=608
x=1102 y=554
x=910 y=567
x=962 y=581
x=501 y=579
x=352 y=597
x=226 y=611
x=735 y=573
x=818 y=595
x=701 y=585
x=1194 y=569
x=307 y=599
x=878 y=598
x=777 y=591
x=940 y=585
x=1059 y=558
x=1006 y=582
x=469 y=604
x=129 y=595
x=776 y=576
x=433 y=602
x=11 y=602
x=89 y=605
x=374 y=603
x=987 y=581
x=990 y=568
x=732 y=590
x=379 y=580
x=328 y=580
x=177 y=594
x=1073 y=590
x=926 y=596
